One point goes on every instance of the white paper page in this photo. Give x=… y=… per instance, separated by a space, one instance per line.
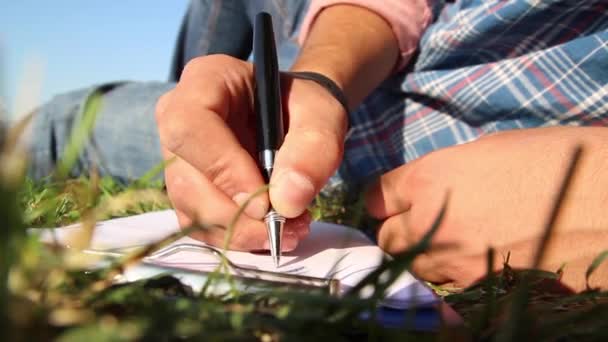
x=330 y=251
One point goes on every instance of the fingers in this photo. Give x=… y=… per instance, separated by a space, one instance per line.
x=198 y=201
x=192 y=123
x=396 y=235
x=183 y=219
x=455 y=269
x=387 y=196
x=204 y=204
x=428 y=268
x=311 y=151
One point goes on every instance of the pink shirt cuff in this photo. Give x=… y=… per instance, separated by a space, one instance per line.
x=408 y=20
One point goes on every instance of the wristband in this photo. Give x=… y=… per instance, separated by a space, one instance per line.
x=324 y=82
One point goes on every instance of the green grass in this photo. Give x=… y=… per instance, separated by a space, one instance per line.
x=45 y=293
x=50 y=203
x=51 y=299
x=144 y=310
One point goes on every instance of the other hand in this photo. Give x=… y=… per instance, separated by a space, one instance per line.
x=502 y=188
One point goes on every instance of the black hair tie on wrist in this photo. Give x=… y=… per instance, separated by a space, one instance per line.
x=324 y=82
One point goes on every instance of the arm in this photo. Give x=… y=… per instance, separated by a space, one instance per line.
x=351 y=45
x=204 y=126
x=356 y=48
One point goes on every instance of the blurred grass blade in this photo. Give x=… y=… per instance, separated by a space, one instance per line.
x=518 y=325
x=11 y=227
x=10 y=143
x=557 y=205
x=489 y=311
x=9 y=244
x=80 y=133
x=82 y=129
x=594 y=265
x=149 y=176
x=83 y=238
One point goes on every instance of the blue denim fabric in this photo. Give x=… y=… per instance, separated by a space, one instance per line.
x=226 y=27
x=125 y=142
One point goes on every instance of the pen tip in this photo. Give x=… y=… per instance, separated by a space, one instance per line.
x=274 y=224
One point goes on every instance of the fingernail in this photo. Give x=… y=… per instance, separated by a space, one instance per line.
x=291 y=193
x=256 y=208
x=299 y=225
x=289 y=245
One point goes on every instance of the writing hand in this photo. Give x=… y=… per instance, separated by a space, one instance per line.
x=207 y=124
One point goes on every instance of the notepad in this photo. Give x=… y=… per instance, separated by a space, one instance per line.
x=329 y=251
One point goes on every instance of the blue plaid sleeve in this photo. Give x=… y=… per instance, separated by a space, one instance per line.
x=486 y=66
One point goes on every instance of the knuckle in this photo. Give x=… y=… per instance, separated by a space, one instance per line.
x=177 y=186
x=221 y=59
x=394 y=244
x=196 y=65
x=209 y=63
x=172 y=133
x=221 y=173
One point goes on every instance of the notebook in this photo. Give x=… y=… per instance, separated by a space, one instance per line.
x=330 y=251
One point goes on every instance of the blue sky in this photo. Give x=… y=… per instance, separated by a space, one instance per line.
x=78 y=43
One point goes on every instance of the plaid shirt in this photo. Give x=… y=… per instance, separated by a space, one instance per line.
x=486 y=66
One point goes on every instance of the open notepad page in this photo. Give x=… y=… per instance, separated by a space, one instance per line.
x=330 y=251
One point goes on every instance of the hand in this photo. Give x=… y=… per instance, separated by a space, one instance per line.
x=502 y=188
x=207 y=124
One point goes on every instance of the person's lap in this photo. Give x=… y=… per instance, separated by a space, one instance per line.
x=124 y=142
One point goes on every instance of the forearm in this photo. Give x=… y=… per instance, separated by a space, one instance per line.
x=353 y=46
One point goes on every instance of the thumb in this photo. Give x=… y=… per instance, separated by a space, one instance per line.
x=312 y=149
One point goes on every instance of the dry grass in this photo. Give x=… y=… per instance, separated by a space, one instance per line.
x=45 y=294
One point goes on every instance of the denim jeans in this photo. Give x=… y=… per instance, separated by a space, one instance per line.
x=124 y=143
x=225 y=27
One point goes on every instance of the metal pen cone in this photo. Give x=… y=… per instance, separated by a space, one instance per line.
x=274 y=225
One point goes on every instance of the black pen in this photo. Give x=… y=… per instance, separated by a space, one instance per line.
x=269 y=113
